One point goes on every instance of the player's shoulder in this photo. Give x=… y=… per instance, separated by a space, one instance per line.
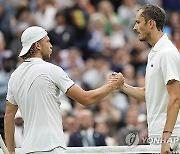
x=52 y=68
x=51 y=65
x=169 y=49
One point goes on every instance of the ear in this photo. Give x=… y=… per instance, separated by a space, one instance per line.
x=152 y=23
x=37 y=45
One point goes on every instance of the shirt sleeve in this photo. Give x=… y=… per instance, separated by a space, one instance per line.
x=10 y=96
x=60 y=78
x=170 y=66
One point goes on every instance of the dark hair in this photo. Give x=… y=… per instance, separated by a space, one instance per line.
x=155 y=13
x=31 y=53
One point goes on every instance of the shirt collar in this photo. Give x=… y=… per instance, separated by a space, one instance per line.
x=161 y=41
x=33 y=59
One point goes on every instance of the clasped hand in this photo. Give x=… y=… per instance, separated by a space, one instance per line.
x=117 y=80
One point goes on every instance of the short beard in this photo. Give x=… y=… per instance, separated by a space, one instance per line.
x=45 y=57
x=145 y=37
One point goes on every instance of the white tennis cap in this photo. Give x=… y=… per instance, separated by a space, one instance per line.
x=30 y=36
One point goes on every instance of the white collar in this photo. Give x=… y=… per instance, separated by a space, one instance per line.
x=33 y=59
x=160 y=42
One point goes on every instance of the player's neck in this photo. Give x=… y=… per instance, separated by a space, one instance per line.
x=37 y=55
x=154 y=37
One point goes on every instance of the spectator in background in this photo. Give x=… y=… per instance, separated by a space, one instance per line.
x=70 y=58
x=129 y=73
x=70 y=126
x=107 y=112
x=76 y=75
x=101 y=126
x=173 y=22
x=8 y=66
x=120 y=57
x=118 y=36
x=86 y=136
x=106 y=8
x=139 y=53
x=100 y=71
x=78 y=17
x=5 y=23
x=132 y=126
x=62 y=35
x=22 y=16
x=172 y=28
x=127 y=12
x=96 y=28
x=175 y=36
x=140 y=79
x=2 y=47
x=174 y=19
x=45 y=14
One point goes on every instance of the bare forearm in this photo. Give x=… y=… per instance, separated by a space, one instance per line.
x=173 y=88
x=99 y=93
x=94 y=96
x=172 y=114
x=9 y=133
x=135 y=92
x=90 y=97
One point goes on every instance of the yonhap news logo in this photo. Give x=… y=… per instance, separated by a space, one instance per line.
x=132 y=139
x=159 y=140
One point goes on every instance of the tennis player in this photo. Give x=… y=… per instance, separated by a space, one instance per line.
x=34 y=88
x=162 y=86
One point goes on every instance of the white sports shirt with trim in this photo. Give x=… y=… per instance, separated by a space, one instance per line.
x=35 y=87
x=163 y=65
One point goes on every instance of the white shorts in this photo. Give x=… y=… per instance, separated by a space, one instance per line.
x=57 y=150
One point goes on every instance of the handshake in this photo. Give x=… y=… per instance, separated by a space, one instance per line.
x=116 y=80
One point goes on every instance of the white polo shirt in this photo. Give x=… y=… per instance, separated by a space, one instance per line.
x=163 y=65
x=35 y=87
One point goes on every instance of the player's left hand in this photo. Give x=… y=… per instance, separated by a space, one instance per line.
x=165 y=148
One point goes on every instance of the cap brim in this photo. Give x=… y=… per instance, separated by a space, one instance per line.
x=24 y=50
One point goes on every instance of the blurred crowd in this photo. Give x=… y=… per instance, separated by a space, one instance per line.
x=91 y=39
